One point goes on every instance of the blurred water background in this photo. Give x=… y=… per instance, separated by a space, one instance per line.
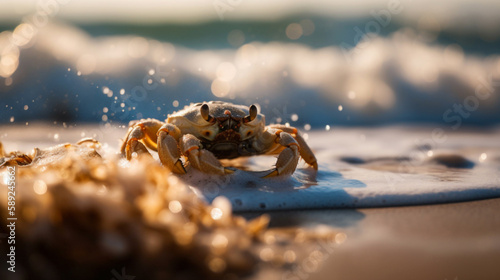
x=312 y=64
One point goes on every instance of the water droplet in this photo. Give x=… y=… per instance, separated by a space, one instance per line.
x=23 y=34
x=216 y=213
x=340 y=238
x=289 y=256
x=236 y=38
x=175 y=206
x=294 y=31
x=307 y=127
x=220 y=88
x=327 y=127
x=295 y=117
x=175 y=103
x=266 y=254
x=39 y=187
x=11 y=119
x=56 y=136
x=483 y=157
x=26 y=107
x=220 y=241
x=8 y=81
x=122 y=91
x=341 y=108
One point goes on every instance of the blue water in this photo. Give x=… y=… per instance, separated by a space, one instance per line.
x=396 y=77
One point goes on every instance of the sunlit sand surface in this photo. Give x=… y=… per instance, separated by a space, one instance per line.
x=79 y=204
x=357 y=168
x=81 y=215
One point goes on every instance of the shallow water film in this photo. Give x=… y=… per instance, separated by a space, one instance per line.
x=366 y=143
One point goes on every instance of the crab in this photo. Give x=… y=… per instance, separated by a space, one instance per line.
x=204 y=133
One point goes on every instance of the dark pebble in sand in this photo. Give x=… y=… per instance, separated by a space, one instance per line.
x=357 y=160
x=352 y=160
x=453 y=161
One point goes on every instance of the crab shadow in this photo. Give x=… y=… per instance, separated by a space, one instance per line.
x=306 y=189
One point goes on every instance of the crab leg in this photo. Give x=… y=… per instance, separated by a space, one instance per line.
x=201 y=159
x=168 y=149
x=305 y=151
x=288 y=157
x=140 y=135
x=132 y=145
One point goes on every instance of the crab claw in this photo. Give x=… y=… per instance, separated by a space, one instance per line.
x=168 y=151
x=288 y=158
x=305 y=151
x=201 y=159
x=205 y=161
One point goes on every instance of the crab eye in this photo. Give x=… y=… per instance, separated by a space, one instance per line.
x=252 y=113
x=206 y=133
x=249 y=133
x=205 y=113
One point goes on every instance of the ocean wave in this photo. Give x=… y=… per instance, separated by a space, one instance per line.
x=61 y=73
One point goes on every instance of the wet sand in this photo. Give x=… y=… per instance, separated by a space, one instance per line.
x=442 y=241
x=446 y=241
x=358 y=167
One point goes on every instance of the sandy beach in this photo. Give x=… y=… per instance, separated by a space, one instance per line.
x=447 y=241
x=283 y=140
x=439 y=241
